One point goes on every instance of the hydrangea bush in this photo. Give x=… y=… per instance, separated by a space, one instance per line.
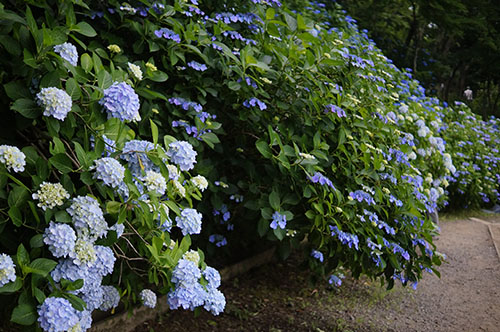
x=286 y=117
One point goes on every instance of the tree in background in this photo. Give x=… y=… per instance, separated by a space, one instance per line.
x=448 y=44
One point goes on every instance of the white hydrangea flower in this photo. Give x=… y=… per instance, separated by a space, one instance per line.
x=179 y=188
x=135 y=70
x=50 y=195
x=12 y=157
x=200 y=182
x=307 y=156
x=192 y=256
x=155 y=182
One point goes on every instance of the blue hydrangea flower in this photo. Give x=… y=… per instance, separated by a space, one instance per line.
x=7 y=270
x=68 y=52
x=55 y=102
x=88 y=217
x=189 y=221
x=121 y=102
x=318 y=255
x=93 y=296
x=212 y=276
x=105 y=261
x=185 y=104
x=278 y=220
x=57 y=315
x=118 y=228
x=167 y=34
x=110 y=171
x=110 y=299
x=148 y=298
x=155 y=182
x=321 y=179
x=182 y=154
x=186 y=273
x=215 y=301
x=85 y=318
x=345 y=238
x=67 y=269
x=336 y=110
x=197 y=66
x=187 y=298
x=252 y=102
x=334 y=280
x=60 y=238
x=134 y=152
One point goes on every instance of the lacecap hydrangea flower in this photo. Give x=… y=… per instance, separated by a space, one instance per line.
x=68 y=52
x=7 y=270
x=200 y=182
x=110 y=298
x=55 y=102
x=110 y=171
x=189 y=221
x=155 y=182
x=60 y=238
x=57 y=315
x=148 y=298
x=50 y=195
x=135 y=70
x=12 y=158
x=121 y=102
x=182 y=154
x=87 y=216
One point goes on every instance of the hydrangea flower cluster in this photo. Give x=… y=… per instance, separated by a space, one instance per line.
x=57 y=314
x=200 y=182
x=279 y=220
x=50 y=195
x=55 y=102
x=134 y=153
x=182 y=154
x=7 y=270
x=135 y=70
x=110 y=298
x=12 y=158
x=252 y=102
x=155 y=182
x=189 y=221
x=110 y=171
x=189 y=293
x=88 y=217
x=167 y=34
x=148 y=298
x=344 y=237
x=68 y=52
x=60 y=238
x=121 y=102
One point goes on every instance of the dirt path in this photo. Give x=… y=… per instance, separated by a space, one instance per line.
x=279 y=298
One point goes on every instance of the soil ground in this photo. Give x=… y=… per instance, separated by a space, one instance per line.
x=279 y=297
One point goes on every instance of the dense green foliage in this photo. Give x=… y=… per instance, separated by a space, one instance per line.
x=306 y=133
x=448 y=44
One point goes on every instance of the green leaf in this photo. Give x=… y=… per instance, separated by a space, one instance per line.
x=73 y=89
x=75 y=301
x=86 y=62
x=24 y=314
x=262 y=227
x=27 y=108
x=36 y=241
x=270 y=12
x=81 y=155
x=154 y=131
x=274 y=200
x=264 y=149
x=211 y=139
x=41 y=266
x=291 y=22
x=85 y=29
x=157 y=76
x=113 y=207
x=62 y=216
x=29 y=59
x=23 y=258
x=12 y=287
x=235 y=86
x=15 y=216
x=16 y=90
x=279 y=233
x=61 y=162
x=18 y=196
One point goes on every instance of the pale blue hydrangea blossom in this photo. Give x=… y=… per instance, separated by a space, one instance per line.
x=88 y=217
x=110 y=299
x=57 y=315
x=121 y=102
x=60 y=238
x=186 y=273
x=155 y=182
x=55 y=102
x=118 y=228
x=173 y=172
x=105 y=261
x=110 y=171
x=212 y=276
x=50 y=195
x=189 y=221
x=68 y=52
x=12 y=158
x=215 y=301
x=148 y=298
x=7 y=270
x=182 y=154
x=134 y=153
